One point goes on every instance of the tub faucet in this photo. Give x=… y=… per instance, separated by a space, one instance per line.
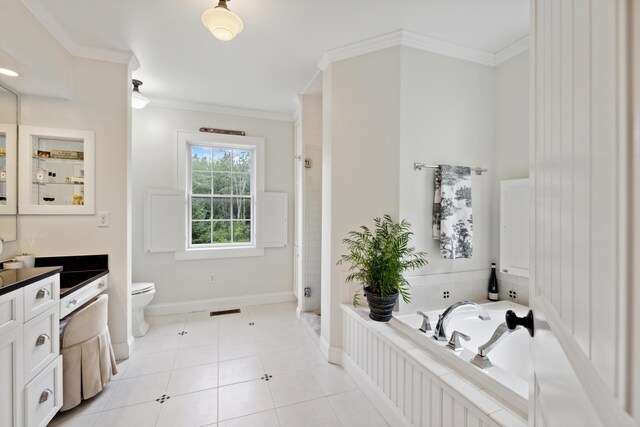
x=426 y=325
x=481 y=360
x=439 y=332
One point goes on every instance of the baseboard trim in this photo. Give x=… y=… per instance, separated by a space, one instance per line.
x=332 y=354
x=124 y=350
x=390 y=413
x=218 y=303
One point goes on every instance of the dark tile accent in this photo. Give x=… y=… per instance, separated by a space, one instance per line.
x=221 y=312
x=251 y=323
x=163 y=398
x=183 y=333
x=266 y=377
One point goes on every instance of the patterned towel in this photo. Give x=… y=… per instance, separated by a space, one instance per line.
x=452 y=215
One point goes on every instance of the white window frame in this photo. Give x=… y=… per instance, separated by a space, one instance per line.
x=185 y=141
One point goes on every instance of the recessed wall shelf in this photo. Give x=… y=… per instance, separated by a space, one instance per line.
x=56 y=171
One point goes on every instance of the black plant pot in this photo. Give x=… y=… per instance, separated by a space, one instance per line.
x=380 y=309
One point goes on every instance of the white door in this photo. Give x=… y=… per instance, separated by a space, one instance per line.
x=583 y=191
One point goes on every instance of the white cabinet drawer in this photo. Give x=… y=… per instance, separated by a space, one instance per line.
x=74 y=301
x=41 y=342
x=41 y=296
x=43 y=395
x=11 y=314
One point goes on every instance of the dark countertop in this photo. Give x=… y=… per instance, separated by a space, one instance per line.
x=11 y=280
x=71 y=281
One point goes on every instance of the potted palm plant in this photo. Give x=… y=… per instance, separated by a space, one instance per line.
x=377 y=260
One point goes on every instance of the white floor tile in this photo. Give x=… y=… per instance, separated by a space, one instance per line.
x=237 y=348
x=96 y=403
x=294 y=387
x=194 y=356
x=122 y=368
x=314 y=413
x=193 y=379
x=143 y=415
x=275 y=343
x=190 y=410
x=165 y=329
x=67 y=419
x=150 y=363
x=148 y=345
x=201 y=323
x=236 y=332
x=170 y=318
x=353 y=409
x=296 y=359
x=262 y=419
x=242 y=399
x=199 y=338
x=333 y=378
x=239 y=370
x=138 y=390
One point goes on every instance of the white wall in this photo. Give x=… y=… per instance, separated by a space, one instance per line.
x=154 y=166
x=511 y=150
x=99 y=104
x=360 y=180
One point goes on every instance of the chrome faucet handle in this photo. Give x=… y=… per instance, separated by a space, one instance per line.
x=454 y=342
x=426 y=325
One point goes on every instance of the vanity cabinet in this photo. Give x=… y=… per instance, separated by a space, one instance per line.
x=56 y=171
x=30 y=360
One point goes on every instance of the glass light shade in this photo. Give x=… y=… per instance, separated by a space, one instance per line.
x=138 y=101
x=223 y=24
x=8 y=72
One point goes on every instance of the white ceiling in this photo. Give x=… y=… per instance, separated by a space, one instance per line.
x=276 y=55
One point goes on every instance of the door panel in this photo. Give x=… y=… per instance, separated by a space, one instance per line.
x=580 y=183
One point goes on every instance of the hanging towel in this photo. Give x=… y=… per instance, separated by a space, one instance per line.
x=452 y=215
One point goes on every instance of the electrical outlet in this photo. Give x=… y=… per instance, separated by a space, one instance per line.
x=212 y=278
x=103 y=219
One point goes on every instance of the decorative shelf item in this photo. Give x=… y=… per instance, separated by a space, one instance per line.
x=57 y=174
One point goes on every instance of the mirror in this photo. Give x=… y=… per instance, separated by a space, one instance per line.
x=8 y=163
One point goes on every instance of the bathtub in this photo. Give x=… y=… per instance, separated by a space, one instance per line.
x=508 y=379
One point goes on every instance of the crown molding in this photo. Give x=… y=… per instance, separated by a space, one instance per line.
x=62 y=36
x=427 y=44
x=220 y=109
x=512 y=50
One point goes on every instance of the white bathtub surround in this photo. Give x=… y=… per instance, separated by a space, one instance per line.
x=412 y=385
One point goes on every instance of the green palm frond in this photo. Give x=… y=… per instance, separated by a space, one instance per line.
x=379 y=258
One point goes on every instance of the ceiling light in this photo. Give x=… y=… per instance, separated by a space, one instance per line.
x=223 y=24
x=8 y=72
x=137 y=100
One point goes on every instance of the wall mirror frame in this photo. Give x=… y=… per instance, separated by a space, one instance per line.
x=9 y=118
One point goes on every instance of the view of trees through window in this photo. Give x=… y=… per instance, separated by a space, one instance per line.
x=221 y=195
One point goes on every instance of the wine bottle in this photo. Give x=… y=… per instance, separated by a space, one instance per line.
x=493 y=284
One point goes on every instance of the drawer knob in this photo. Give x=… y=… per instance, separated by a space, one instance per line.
x=42 y=293
x=43 y=338
x=101 y=285
x=72 y=303
x=45 y=395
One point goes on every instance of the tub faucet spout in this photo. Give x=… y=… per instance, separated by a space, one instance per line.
x=481 y=360
x=439 y=332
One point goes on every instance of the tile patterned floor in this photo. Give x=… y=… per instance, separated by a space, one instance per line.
x=258 y=368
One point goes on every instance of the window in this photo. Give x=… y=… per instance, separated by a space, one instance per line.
x=222 y=177
x=222 y=196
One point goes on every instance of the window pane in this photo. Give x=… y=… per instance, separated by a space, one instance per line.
x=241 y=160
x=222 y=208
x=241 y=208
x=201 y=158
x=222 y=232
x=201 y=183
x=221 y=183
x=242 y=184
x=200 y=208
x=200 y=232
x=241 y=231
x=221 y=160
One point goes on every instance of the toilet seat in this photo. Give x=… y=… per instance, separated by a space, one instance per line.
x=141 y=287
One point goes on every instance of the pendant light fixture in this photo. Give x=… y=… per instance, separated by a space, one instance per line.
x=223 y=24
x=137 y=99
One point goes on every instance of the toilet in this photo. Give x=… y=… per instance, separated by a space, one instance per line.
x=141 y=295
